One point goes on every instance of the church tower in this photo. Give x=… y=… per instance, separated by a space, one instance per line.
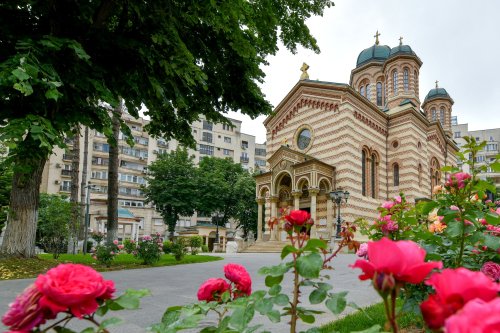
x=401 y=73
x=438 y=107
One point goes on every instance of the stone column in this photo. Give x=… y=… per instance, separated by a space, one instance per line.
x=329 y=215
x=296 y=199
x=260 y=202
x=274 y=214
x=313 y=192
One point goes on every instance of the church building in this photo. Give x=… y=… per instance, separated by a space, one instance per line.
x=372 y=137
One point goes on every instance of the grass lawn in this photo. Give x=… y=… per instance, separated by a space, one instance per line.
x=29 y=268
x=369 y=316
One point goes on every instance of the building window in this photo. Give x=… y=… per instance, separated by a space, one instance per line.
x=491 y=147
x=244 y=157
x=492 y=138
x=104 y=147
x=368 y=92
x=433 y=114
x=207 y=125
x=244 y=144
x=227 y=139
x=379 y=93
x=395 y=81
x=405 y=79
x=441 y=116
x=206 y=150
x=363 y=172
x=206 y=136
x=457 y=135
x=227 y=152
x=227 y=127
x=261 y=163
x=374 y=175
x=415 y=81
x=99 y=175
x=304 y=139
x=395 y=174
x=362 y=90
x=65 y=186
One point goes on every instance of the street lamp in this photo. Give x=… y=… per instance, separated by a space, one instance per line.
x=87 y=217
x=337 y=197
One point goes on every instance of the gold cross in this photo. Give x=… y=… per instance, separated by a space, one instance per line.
x=437 y=84
x=400 y=40
x=376 y=38
x=304 y=68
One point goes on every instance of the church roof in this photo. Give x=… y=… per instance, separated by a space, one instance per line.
x=437 y=93
x=378 y=53
x=401 y=49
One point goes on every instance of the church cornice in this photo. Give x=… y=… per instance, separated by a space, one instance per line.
x=402 y=56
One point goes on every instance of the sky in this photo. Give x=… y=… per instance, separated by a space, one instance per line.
x=458 y=42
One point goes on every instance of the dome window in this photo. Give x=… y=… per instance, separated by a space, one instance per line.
x=405 y=79
x=379 y=93
x=368 y=92
x=395 y=81
x=433 y=114
x=441 y=116
x=362 y=90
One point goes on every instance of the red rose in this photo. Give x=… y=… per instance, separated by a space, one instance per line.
x=492 y=270
x=240 y=277
x=298 y=217
x=476 y=316
x=212 y=289
x=74 y=287
x=403 y=259
x=25 y=313
x=454 y=288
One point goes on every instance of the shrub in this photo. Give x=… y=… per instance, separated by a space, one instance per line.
x=167 y=246
x=195 y=243
x=204 y=248
x=90 y=245
x=149 y=249
x=105 y=254
x=179 y=249
x=97 y=236
x=129 y=245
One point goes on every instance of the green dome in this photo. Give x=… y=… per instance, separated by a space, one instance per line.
x=377 y=53
x=437 y=93
x=401 y=49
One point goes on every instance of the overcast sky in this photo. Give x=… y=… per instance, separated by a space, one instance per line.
x=458 y=42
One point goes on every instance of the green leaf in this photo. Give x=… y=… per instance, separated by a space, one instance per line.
x=273 y=280
x=171 y=315
x=61 y=329
x=274 y=270
x=428 y=206
x=264 y=306
x=373 y=329
x=275 y=290
x=495 y=166
x=454 y=229
x=337 y=302
x=281 y=300
x=287 y=249
x=274 y=316
x=309 y=265
x=111 y=322
x=317 y=296
x=493 y=242
x=314 y=244
x=88 y=330
x=324 y=286
x=53 y=94
x=20 y=74
x=491 y=218
x=307 y=318
x=313 y=330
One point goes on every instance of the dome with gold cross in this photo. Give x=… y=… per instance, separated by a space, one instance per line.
x=401 y=49
x=437 y=92
x=378 y=53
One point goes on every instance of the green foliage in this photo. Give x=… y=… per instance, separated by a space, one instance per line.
x=149 y=249
x=167 y=246
x=204 y=248
x=5 y=185
x=195 y=243
x=130 y=246
x=106 y=253
x=97 y=236
x=53 y=220
x=179 y=249
x=172 y=186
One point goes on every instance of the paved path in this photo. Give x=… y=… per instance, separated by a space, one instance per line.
x=177 y=285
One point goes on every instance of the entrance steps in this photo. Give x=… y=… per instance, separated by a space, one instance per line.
x=266 y=247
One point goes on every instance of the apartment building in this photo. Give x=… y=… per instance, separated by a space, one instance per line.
x=136 y=218
x=485 y=156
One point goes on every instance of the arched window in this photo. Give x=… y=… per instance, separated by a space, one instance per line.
x=435 y=173
x=433 y=114
x=395 y=174
x=415 y=81
x=441 y=116
x=420 y=175
x=368 y=91
x=405 y=79
x=374 y=176
x=395 y=81
x=363 y=172
x=379 y=93
x=362 y=90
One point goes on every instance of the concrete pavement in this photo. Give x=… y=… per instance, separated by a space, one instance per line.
x=177 y=285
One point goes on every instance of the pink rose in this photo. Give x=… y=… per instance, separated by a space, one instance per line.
x=121 y=246
x=240 y=277
x=388 y=204
x=454 y=288
x=74 y=287
x=453 y=207
x=492 y=270
x=363 y=250
x=476 y=316
x=25 y=313
x=212 y=289
x=115 y=242
x=398 y=199
x=298 y=217
x=402 y=259
x=457 y=180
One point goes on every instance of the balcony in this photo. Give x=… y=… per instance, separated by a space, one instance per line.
x=68 y=157
x=244 y=159
x=66 y=173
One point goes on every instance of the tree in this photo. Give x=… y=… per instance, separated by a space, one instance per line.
x=5 y=185
x=53 y=228
x=114 y=150
x=172 y=186
x=73 y=199
x=62 y=63
x=246 y=211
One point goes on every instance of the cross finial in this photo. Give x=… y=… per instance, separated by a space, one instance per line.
x=304 y=68
x=437 y=84
x=376 y=38
x=401 y=40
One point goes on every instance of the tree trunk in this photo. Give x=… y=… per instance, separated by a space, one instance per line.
x=83 y=193
x=114 y=148
x=75 y=209
x=20 y=234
